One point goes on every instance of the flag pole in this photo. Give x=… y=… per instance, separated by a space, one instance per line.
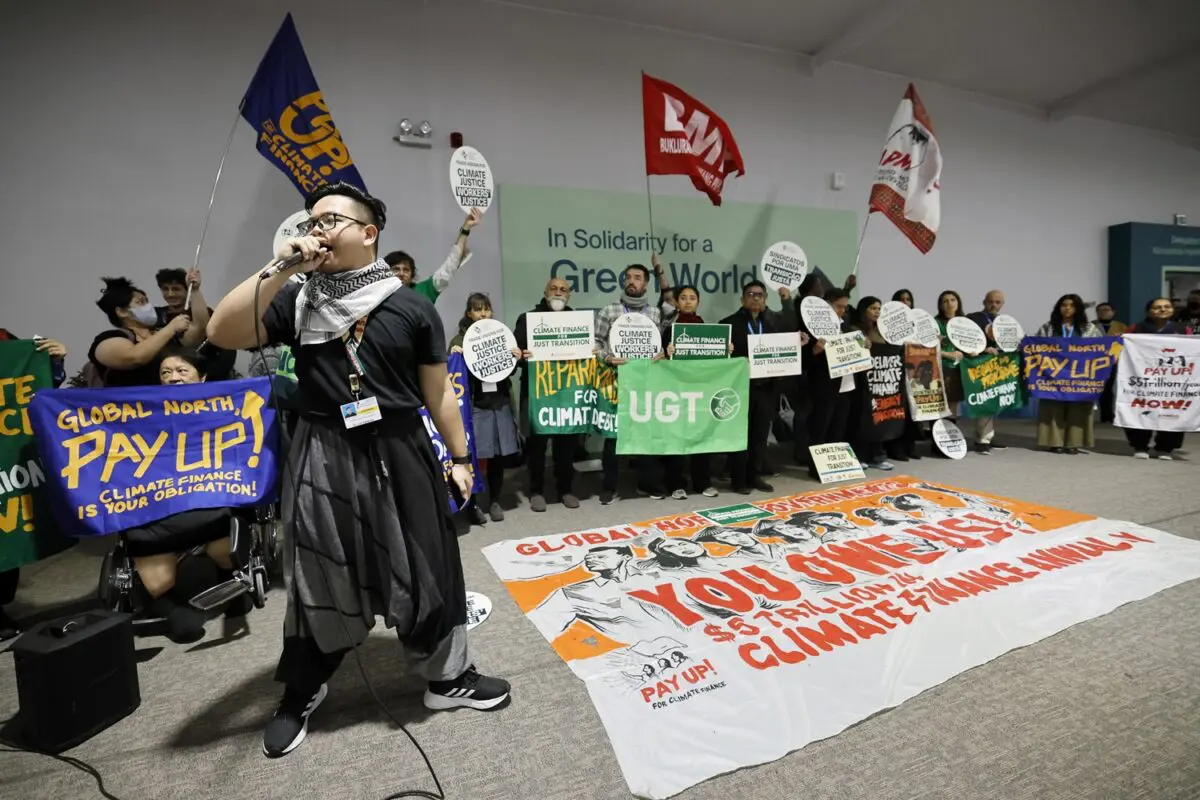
x=862 y=237
x=650 y=208
x=212 y=197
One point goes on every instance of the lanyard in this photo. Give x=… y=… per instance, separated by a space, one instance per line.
x=1068 y=331
x=750 y=328
x=352 y=342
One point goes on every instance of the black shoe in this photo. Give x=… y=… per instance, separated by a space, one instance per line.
x=184 y=623
x=761 y=485
x=9 y=629
x=914 y=455
x=654 y=494
x=477 y=515
x=898 y=457
x=239 y=606
x=1056 y=450
x=469 y=690
x=607 y=496
x=741 y=490
x=1072 y=451
x=998 y=446
x=983 y=449
x=289 y=726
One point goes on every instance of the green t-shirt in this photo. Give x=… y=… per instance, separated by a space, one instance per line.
x=427 y=288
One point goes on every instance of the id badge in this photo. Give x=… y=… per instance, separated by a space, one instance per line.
x=361 y=412
x=489 y=386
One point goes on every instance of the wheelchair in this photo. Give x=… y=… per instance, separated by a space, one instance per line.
x=254 y=551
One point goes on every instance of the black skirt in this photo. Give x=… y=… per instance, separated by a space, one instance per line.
x=367 y=534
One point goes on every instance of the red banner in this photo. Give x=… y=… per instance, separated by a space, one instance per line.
x=684 y=137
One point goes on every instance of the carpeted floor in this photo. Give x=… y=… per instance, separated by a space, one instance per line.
x=1107 y=709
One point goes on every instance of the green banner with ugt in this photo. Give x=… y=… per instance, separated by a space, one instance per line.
x=682 y=407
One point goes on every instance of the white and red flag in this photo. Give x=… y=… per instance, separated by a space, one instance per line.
x=907 y=189
x=684 y=137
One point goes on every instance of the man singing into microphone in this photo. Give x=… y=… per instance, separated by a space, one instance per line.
x=367 y=527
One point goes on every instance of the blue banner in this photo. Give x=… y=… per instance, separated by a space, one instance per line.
x=119 y=458
x=457 y=367
x=295 y=130
x=1072 y=370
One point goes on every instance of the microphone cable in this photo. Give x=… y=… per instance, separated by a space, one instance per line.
x=294 y=480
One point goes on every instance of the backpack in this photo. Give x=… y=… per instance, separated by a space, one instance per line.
x=95 y=375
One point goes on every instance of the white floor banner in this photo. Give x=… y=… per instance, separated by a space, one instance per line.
x=730 y=636
x=1158 y=383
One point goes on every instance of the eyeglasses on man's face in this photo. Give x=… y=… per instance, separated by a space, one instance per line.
x=326 y=222
x=756 y=295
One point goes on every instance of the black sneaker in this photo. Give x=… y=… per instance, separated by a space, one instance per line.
x=9 y=629
x=997 y=446
x=470 y=690
x=983 y=449
x=607 y=496
x=289 y=726
x=477 y=515
x=761 y=485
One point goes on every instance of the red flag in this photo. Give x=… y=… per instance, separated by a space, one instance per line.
x=683 y=137
x=907 y=187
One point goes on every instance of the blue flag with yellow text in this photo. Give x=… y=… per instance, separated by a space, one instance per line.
x=295 y=129
x=115 y=459
x=457 y=367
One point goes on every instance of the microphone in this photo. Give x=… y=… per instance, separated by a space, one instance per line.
x=287 y=263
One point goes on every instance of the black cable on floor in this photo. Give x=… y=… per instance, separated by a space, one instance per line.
x=295 y=489
x=77 y=763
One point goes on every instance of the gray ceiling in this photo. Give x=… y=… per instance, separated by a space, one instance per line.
x=1135 y=62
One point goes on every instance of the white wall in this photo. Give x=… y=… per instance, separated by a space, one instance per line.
x=118 y=112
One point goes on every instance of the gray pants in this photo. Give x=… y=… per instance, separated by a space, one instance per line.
x=302 y=665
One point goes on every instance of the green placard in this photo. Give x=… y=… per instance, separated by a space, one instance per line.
x=699 y=341
x=683 y=407
x=587 y=237
x=572 y=397
x=992 y=384
x=27 y=530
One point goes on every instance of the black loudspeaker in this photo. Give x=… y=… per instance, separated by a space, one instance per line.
x=75 y=676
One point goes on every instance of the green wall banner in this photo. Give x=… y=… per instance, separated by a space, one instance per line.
x=587 y=237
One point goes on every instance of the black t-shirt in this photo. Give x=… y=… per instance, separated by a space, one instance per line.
x=146 y=375
x=402 y=333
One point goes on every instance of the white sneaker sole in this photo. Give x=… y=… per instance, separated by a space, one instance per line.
x=299 y=740
x=438 y=702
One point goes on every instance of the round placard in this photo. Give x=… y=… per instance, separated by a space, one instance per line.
x=471 y=179
x=634 y=336
x=1007 y=333
x=487 y=349
x=784 y=265
x=820 y=318
x=479 y=608
x=949 y=439
x=966 y=335
x=896 y=323
x=287 y=230
x=925 y=329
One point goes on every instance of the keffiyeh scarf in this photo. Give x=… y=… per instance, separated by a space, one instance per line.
x=330 y=303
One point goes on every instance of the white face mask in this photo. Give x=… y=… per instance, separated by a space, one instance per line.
x=145 y=314
x=556 y=303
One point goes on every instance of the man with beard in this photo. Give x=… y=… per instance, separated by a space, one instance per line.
x=635 y=282
x=562 y=447
x=365 y=510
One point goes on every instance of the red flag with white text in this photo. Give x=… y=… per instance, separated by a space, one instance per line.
x=907 y=187
x=684 y=137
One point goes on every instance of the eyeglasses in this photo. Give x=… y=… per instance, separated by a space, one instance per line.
x=759 y=295
x=326 y=222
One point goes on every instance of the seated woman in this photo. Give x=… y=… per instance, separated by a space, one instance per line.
x=157 y=548
x=128 y=354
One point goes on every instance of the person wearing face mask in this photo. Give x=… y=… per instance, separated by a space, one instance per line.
x=128 y=354
x=1159 y=312
x=562 y=448
x=1066 y=427
x=745 y=467
x=495 y=430
x=634 y=299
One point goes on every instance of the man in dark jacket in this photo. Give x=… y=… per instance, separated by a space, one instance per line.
x=985 y=427
x=562 y=447
x=755 y=318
